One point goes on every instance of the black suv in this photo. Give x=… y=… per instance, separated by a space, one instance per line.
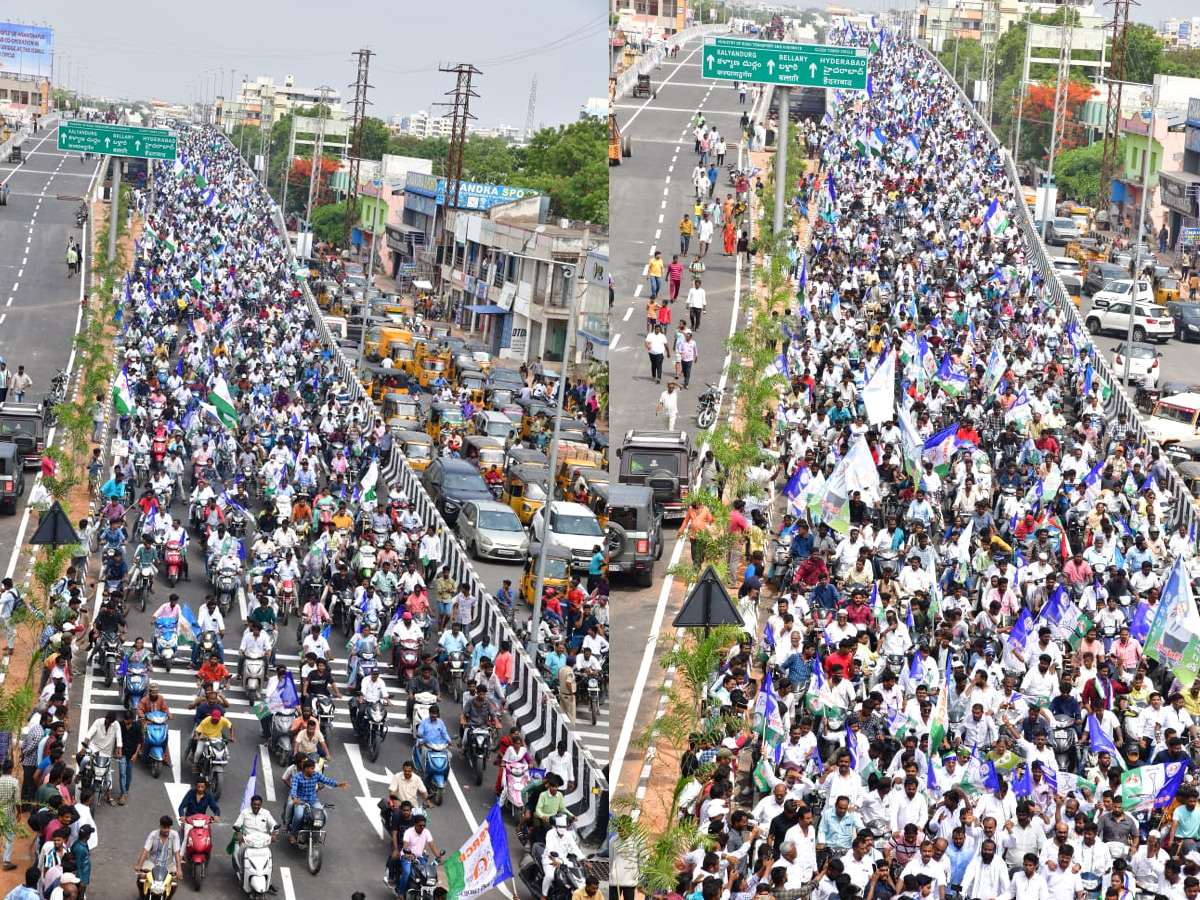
x=635 y=537
x=662 y=460
x=451 y=483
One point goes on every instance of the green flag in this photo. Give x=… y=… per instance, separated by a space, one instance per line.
x=122 y=396
x=222 y=402
x=368 y=483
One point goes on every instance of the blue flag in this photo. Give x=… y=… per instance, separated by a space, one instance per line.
x=189 y=618
x=832 y=189
x=769 y=636
x=251 y=785
x=1019 y=635
x=1022 y=782
x=1102 y=743
x=1140 y=626
x=991 y=778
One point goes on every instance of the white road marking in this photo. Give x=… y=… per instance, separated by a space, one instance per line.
x=285 y=876
x=628 y=314
x=20 y=274
x=264 y=758
x=616 y=339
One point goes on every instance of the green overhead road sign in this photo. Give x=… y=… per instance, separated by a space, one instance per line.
x=116 y=140
x=789 y=65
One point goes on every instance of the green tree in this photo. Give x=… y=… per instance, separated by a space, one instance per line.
x=970 y=58
x=570 y=163
x=375 y=138
x=1143 y=54
x=1078 y=172
x=327 y=222
x=1181 y=62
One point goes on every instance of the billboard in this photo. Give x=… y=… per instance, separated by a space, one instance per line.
x=25 y=49
x=471 y=195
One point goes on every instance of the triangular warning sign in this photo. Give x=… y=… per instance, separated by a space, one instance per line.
x=55 y=528
x=708 y=605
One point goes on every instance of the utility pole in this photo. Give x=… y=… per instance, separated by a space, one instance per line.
x=990 y=37
x=532 y=107
x=1016 y=150
x=460 y=113
x=1148 y=118
x=287 y=171
x=314 y=176
x=1116 y=82
x=357 y=131
x=1061 y=94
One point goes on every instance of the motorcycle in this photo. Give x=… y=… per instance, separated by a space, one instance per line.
x=455 y=672
x=137 y=679
x=709 y=406
x=254 y=669
x=154 y=745
x=212 y=756
x=371 y=726
x=477 y=746
x=108 y=655
x=422 y=877
x=1064 y=743
x=142 y=580
x=208 y=643
x=173 y=560
x=311 y=835
x=197 y=847
x=287 y=600
x=516 y=779
x=256 y=866
x=166 y=641
x=592 y=690
x=281 y=734
x=568 y=876
x=238 y=522
x=95 y=771
x=157 y=884
x=322 y=708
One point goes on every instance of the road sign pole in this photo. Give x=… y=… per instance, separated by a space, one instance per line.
x=114 y=209
x=781 y=155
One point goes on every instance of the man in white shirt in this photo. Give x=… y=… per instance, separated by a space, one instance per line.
x=987 y=876
x=924 y=864
x=697 y=301
x=254 y=819
x=1062 y=879
x=1028 y=883
x=668 y=405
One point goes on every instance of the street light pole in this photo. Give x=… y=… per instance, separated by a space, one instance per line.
x=1148 y=117
x=540 y=584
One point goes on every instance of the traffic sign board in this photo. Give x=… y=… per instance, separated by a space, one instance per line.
x=790 y=65
x=116 y=140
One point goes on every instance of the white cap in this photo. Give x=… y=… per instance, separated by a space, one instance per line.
x=717 y=808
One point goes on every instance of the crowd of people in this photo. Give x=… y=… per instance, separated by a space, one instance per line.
x=956 y=684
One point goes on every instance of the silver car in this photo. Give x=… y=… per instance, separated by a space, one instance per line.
x=491 y=529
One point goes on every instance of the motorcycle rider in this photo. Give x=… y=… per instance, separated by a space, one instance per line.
x=210 y=619
x=424 y=682
x=415 y=842
x=433 y=730
x=254 y=819
x=177 y=536
x=254 y=639
x=560 y=844
x=452 y=641
x=108 y=620
x=476 y=713
x=401 y=629
x=161 y=848
x=197 y=802
x=372 y=690
x=302 y=790
x=364 y=644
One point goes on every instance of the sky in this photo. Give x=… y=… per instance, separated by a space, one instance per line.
x=165 y=50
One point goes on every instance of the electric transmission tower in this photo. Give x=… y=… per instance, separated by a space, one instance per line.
x=532 y=107
x=358 y=129
x=1119 y=26
x=460 y=113
x=990 y=37
x=314 y=177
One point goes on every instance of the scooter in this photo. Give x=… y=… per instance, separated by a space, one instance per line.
x=226 y=582
x=154 y=744
x=281 y=734
x=254 y=669
x=137 y=679
x=166 y=641
x=212 y=756
x=197 y=847
x=410 y=659
x=455 y=673
x=421 y=703
x=256 y=865
x=516 y=779
x=287 y=600
x=432 y=764
x=173 y=560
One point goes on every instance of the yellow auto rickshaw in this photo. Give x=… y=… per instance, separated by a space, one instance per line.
x=474 y=381
x=483 y=452
x=444 y=418
x=416 y=446
x=431 y=369
x=576 y=462
x=598 y=494
x=518 y=455
x=531 y=409
x=557 y=574
x=525 y=489
x=1167 y=289
x=403 y=356
x=401 y=412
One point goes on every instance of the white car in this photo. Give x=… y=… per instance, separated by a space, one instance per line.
x=1143 y=364
x=1151 y=322
x=573 y=527
x=1065 y=265
x=491 y=529
x=1119 y=290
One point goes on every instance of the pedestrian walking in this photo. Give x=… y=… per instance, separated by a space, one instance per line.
x=10 y=793
x=664 y=316
x=705 y=235
x=655 y=270
x=72 y=259
x=566 y=687
x=131 y=746
x=700 y=184
x=689 y=352
x=713 y=175
x=697 y=300
x=8 y=604
x=674 y=277
x=668 y=405
x=742 y=93
x=705 y=147
x=656 y=347
x=651 y=315
x=5 y=379
x=720 y=151
x=685 y=233
x=1163 y=235
x=730 y=236
x=21 y=383
x=98 y=418
x=595 y=568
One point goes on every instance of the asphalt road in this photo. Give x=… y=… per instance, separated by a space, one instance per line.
x=1179 y=361
x=36 y=298
x=649 y=193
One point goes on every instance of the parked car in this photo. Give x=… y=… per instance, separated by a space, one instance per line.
x=1060 y=230
x=1185 y=314
x=489 y=528
x=1120 y=290
x=453 y=482
x=572 y=527
x=635 y=537
x=1149 y=321
x=1143 y=363
x=1101 y=273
